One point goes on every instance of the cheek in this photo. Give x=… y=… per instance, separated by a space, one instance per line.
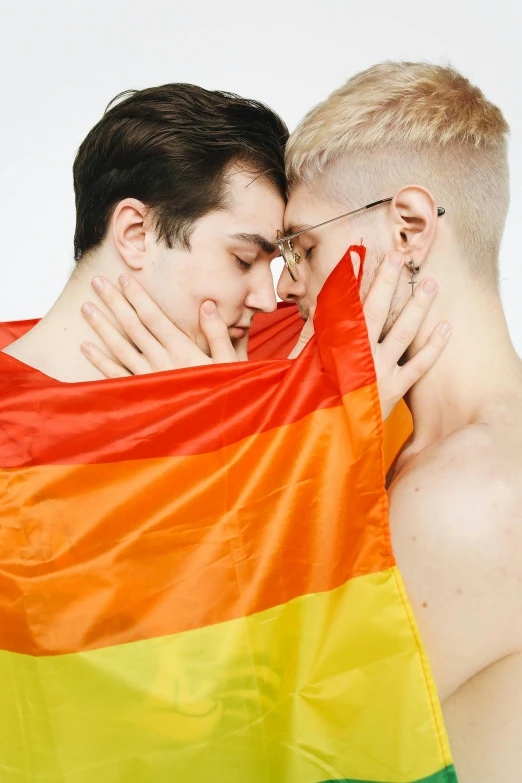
x=335 y=250
x=180 y=287
x=326 y=258
x=317 y=271
x=175 y=290
x=227 y=291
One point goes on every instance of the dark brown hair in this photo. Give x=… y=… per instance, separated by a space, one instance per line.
x=171 y=147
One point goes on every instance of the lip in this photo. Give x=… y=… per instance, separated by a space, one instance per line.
x=236 y=331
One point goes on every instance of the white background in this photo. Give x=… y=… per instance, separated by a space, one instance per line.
x=61 y=63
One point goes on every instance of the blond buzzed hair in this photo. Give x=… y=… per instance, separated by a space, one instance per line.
x=401 y=123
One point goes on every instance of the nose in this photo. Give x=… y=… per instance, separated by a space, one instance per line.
x=287 y=289
x=262 y=295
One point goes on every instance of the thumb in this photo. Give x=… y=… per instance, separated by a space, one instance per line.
x=241 y=347
x=216 y=331
x=307 y=333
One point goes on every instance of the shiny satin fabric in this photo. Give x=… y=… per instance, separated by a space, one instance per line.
x=196 y=575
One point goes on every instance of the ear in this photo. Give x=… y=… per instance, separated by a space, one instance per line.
x=414 y=216
x=129 y=232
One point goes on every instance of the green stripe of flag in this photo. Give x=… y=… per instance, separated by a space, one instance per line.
x=446 y=775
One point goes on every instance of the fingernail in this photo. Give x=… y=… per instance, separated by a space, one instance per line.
x=87 y=308
x=98 y=283
x=86 y=347
x=429 y=286
x=445 y=329
x=209 y=308
x=395 y=259
x=124 y=280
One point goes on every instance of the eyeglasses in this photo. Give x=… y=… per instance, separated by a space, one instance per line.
x=293 y=258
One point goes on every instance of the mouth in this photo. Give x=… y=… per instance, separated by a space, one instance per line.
x=238 y=331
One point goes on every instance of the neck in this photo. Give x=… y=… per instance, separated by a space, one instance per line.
x=477 y=369
x=53 y=345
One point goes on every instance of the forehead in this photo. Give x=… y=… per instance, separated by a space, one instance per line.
x=256 y=204
x=306 y=207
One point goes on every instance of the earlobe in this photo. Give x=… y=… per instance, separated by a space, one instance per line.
x=129 y=232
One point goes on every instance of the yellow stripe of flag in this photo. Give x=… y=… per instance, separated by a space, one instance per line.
x=235 y=702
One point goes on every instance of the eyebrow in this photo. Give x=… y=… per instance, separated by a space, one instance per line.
x=295 y=229
x=257 y=240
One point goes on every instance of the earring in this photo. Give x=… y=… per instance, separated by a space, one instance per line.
x=414 y=271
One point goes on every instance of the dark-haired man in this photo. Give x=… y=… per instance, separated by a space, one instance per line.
x=183 y=187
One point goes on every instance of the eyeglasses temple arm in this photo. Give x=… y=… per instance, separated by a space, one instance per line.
x=325 y=223
x=440 y=212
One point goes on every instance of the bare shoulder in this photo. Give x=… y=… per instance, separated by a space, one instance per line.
x=456 y=523
x=479 y=464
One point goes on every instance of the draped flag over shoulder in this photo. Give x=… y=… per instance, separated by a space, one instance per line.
x=196 y=576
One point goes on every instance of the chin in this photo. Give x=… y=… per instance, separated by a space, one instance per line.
x=304 y=311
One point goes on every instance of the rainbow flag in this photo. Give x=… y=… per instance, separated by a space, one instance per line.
x=196 y=577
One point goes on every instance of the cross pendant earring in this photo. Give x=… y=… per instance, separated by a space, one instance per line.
x=414 y=271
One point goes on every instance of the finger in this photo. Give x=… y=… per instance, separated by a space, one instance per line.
x=241 y=347
x=117 y=344
x=129 y=321
x=216 y=331
x=152 y=316
x=307 y=332
x=424 y=359
x=102 y=362
x=407 y=325
x=170 y=347
x=377 y=304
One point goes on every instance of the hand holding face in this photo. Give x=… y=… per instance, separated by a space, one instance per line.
x=147 y=341
x=395 y=380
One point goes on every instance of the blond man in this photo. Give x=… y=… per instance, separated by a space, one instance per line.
x=424 y=138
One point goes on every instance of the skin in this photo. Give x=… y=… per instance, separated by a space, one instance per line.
x=455 y=495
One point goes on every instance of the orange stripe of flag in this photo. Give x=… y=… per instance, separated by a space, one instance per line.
x=96 y=555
